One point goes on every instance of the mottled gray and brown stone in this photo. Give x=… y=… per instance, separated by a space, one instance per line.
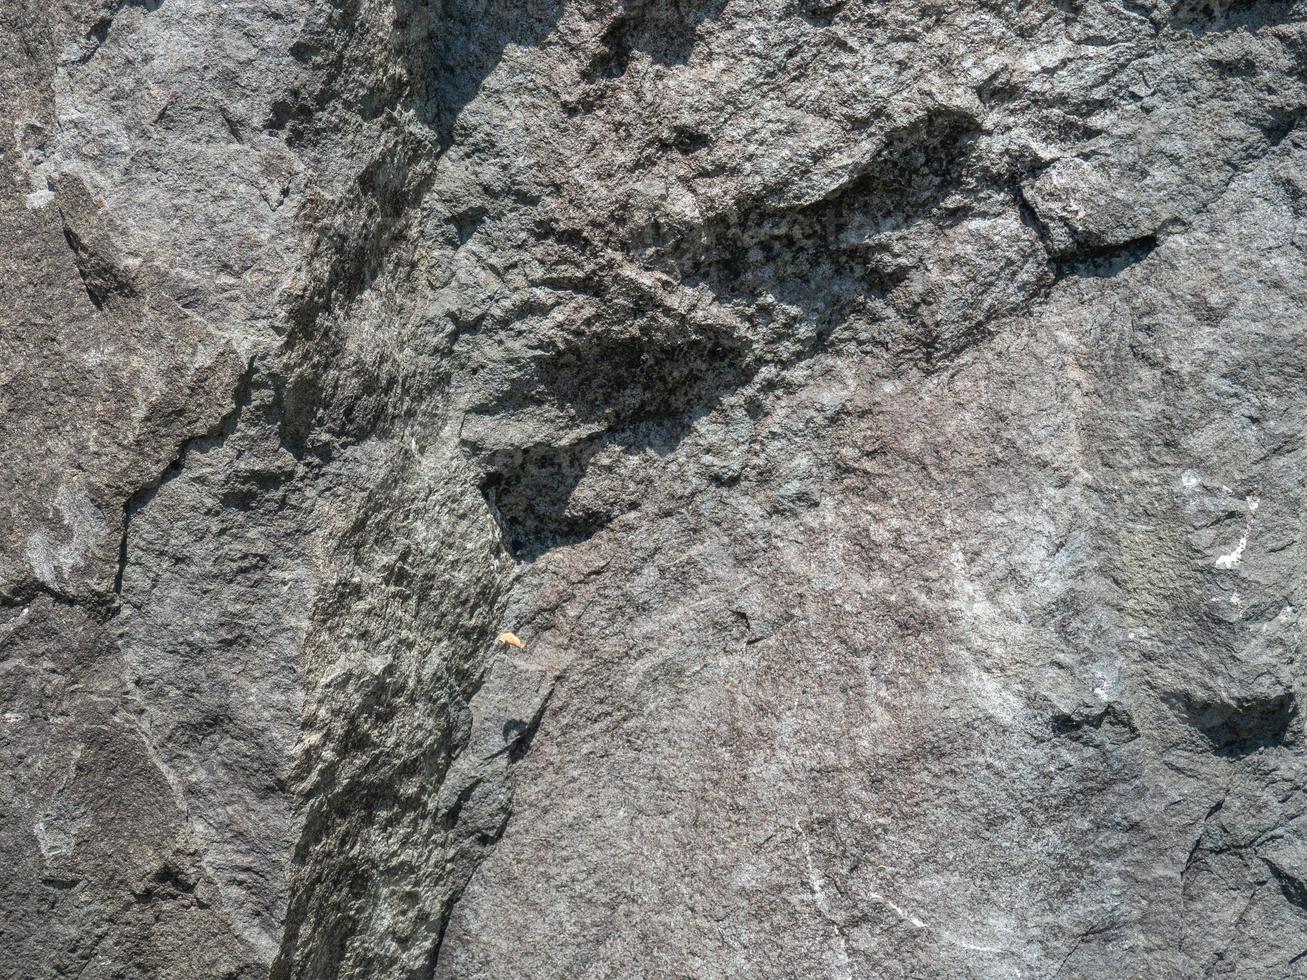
x=882 y=422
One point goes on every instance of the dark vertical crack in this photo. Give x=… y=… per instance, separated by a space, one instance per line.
x=1103 y=925
x=519 y=736
x=446 y=914
x=1031 y=219
x=241 y=394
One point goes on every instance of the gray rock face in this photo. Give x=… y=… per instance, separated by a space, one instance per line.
x=883 y=423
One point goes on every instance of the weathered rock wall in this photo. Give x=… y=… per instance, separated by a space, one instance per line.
x=882 y=422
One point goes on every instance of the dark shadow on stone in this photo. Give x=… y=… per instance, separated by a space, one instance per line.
x=646 y=393
x=1238 y=729
x=819 y=13
x=1110 y=725
x=665 y=30
x=1293 y=888
x=1105 y=261
x=1212 y=16
x=824 y=256
x=646 y=389
x=451 y=46
x=446 y=49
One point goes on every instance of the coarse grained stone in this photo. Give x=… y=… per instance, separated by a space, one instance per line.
x=881 y=422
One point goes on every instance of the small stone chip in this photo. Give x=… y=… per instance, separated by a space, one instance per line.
x=511 y=640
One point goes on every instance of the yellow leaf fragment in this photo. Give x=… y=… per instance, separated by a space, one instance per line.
x=511 y=640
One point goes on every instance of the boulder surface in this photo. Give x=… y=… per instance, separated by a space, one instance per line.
x=881 y=426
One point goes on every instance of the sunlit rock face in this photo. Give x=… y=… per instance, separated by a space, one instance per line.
x=881 y=423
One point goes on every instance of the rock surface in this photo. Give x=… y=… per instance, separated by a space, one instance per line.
x=883 y=423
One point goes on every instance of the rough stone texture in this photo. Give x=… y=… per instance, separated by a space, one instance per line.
x=883 y=422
